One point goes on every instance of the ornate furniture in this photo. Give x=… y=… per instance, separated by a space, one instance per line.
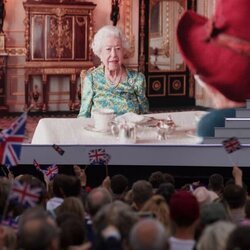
x=168 y=80
x=57 y=39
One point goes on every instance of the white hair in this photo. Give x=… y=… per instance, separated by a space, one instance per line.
x=103 y=33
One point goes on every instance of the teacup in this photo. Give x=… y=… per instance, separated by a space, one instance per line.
x=102 y=118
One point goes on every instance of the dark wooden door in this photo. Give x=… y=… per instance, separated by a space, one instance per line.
x=169 y=82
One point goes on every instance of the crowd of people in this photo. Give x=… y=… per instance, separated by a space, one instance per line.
x=149 y=214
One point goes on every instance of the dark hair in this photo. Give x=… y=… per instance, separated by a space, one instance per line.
x=65 y=186
x=156 y=179
x=239 y=238
x=166 y=190
x=141 y=191
x=216 y=182
x=119 y=183
x=235 y=196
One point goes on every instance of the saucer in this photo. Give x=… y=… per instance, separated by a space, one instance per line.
x=91 y=128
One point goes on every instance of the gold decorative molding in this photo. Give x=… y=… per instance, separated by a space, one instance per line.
x=126 y=17
x=16 y=51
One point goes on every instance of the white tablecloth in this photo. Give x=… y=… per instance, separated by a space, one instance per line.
x=72 y=131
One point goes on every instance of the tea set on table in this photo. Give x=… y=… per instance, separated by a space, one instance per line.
x=128 y=128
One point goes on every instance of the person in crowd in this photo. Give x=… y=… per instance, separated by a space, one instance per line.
x=72 y=230
x=239 y=239
x=216 y=184
x=204 y=196
x=37 y=230
x=215 y=236
x=142 y=191
x=156 y=179
x=184 y=213
x=63 y=186
x=117 y=214
x=235 y=196
x=148 y=234
x=119 y=186
x=112 y=85
x=157 y=207
x=216 y=50
x=166 y=190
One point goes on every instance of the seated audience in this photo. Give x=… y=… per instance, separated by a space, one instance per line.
x=112 y=85
x=207 y=46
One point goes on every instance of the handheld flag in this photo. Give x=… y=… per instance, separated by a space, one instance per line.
x=98 y=157
x=11 y=141
x=51 y=172
x=58 y=149
x=24 y=194
x=232 y=144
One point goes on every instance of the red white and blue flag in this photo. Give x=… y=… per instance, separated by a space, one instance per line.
x=232 y=144
x=51 y=172
x=11 y=141
x=24 y=194
x=98 y=157
x=10 y=222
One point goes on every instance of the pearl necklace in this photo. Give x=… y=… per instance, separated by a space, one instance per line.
x=114 y=83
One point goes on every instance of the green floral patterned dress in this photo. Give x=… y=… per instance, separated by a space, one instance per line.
x=127 y=96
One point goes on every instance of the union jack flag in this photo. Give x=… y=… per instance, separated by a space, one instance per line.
x=98 y=157
x=232 y=144
x=11 y=141
x=58 y=149
x=24 y=194
x=10 y=222
x=37 y=165
x=51 y=172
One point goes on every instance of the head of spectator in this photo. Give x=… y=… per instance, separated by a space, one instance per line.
x=65 y=186
x=184 y=209
x=166 y=190
x=214 y=236
x=8 y=238
x=72 y=230
x=96 y=199
x=74 y=205
x=156 y=179
x=142 y=190
x=239 y=239
x=159 y=208
x=148 y=234
x=168 y=178
x=216 y=183
x=37 y=230
x=119 y=186
x=117 y=214
x=235 y=196
x=204 y=196
x=5 y=185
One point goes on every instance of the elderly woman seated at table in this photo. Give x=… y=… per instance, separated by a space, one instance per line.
x=111 y=85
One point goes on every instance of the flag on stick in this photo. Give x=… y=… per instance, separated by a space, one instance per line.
x=51 y=172
x=231 y=145
x=98 y=157
x=11 y=141
x=58 y=149
x=24 y=194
